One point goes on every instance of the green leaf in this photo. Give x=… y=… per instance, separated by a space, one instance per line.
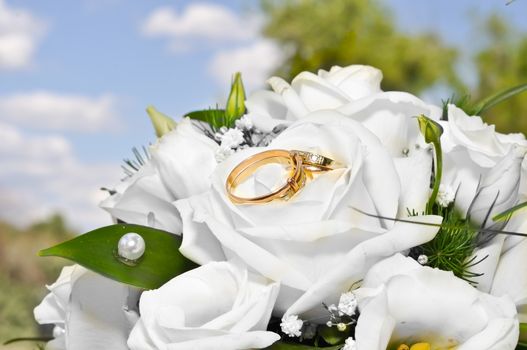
x=497 y=98
x=279 y=345
x=97 y=251
x=162 y=123
x=215 y=117
x=236 y=102
x=332 y=335
x=34 y=339
x=508 y=213
x=523 y=333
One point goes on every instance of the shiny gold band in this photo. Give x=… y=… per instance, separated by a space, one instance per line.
x=301 y=164
x=315 y=162
x=246 y=168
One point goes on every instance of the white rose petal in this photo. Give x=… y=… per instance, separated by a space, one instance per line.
x=180 y=150
x=141 y=194
x=310 y=237
x=216 y=306
x=402 y=302
x=93 y=311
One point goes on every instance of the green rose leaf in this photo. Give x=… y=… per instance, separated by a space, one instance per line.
x=162 y=122
x=279 y=345
x=97 y=251
x=214 y=117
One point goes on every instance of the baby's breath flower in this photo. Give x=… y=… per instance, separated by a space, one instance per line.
x=291 y=326
x=232 y=138
x=347 y=304
x=349 y=344
x=223 y=153
x=244 y=123
x=445 y=196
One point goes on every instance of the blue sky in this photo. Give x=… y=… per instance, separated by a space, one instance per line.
x=76 y=76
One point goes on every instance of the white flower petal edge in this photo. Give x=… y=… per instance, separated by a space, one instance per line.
x=185 y=159
x=93 y=312
x=356 y=263
x=309 y=92
x=509 y=274
x=403 y=302
x=143 y=199
x=216 y=306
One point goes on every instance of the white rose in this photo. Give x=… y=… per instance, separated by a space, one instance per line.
x=89 y=311
x=216 y=306
x=388 y=115
x=309 y=92
x=185 y=159
x=305 y=242
x=471 y=148
x=402 y=302
x=145 y=198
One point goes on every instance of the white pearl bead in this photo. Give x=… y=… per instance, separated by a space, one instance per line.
x=422 y=259
x=58 y=331
x=131 y=246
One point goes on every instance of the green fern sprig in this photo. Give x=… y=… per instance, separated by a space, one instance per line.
x=453 y=247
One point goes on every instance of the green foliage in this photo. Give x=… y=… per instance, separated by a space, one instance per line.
x=453 y=245
x=23 y=276
x=236 y=102
x=97 y=251
x=522 y=344
x=499 y=97
x=501 y=64
x=503 y=216
x=280 y=345
x=320 y=34
x=234 y=109
x=216 y=118
x=432 y=131
x=332 y=335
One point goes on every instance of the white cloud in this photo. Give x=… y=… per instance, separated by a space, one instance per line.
x=200 y=24
x=20 y=32
x=49 y=110
x=41 y=175
x=255 y=62
x=235 y=40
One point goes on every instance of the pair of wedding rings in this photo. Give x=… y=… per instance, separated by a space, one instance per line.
x=301 y=164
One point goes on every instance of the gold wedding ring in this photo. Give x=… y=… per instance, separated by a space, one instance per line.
x=316 y=163
x=299 y=162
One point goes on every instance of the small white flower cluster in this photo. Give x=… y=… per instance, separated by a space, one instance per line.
x=232 y=138
x=347 y=304
x=445 y=195
x=292 y=326
x=350 y=344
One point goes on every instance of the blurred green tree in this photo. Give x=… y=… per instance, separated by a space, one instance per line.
x=23 y=274
x=319 y=34
x=502 y=64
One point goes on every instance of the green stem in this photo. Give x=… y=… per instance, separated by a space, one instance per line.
x=437 y=178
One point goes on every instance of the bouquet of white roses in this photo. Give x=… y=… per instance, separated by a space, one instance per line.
x=322 y=214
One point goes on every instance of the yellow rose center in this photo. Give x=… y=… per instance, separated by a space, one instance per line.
x=422 y=346
x=417 y=346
